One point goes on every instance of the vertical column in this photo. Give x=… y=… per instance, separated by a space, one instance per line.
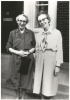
x=29 y=9
x=69 y=28
x=69 y=19
x=52 y=11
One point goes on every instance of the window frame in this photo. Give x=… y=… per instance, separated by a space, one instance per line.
x=36 y=29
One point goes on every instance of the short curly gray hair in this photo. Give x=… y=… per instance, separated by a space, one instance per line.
x=21 y=15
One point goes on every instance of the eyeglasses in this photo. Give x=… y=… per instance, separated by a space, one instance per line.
x=42 y=20
x=24 y=21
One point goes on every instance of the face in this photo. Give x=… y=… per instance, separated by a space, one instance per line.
x=22 y=22
x=43 y=21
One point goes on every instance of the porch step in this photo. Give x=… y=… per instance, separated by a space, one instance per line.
x=65 y=65
x=63 y=93
x=63 y=89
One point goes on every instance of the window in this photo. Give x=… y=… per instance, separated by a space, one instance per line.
x=40 y=6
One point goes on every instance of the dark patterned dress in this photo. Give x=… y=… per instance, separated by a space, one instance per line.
x=25 y=42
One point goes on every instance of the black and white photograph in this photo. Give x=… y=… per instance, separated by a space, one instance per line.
x=35 y=50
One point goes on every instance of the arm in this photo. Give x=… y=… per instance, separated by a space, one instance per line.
x=10 y=42
x=13 y=51
x=20 y=53
x=9 y=46
x=31 y=50
x=59 y=54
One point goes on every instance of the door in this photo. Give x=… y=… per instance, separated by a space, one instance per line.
x=9 y=11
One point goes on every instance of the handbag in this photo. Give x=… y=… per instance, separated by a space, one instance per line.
x=25 y=65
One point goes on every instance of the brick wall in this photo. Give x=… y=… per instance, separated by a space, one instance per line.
x=63 y=26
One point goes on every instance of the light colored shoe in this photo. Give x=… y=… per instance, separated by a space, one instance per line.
x=22 y=99
x=17 y=98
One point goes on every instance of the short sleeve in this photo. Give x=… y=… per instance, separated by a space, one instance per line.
x=33 y=40
x=10 y=42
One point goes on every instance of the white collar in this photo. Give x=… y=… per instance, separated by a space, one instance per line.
x=22 y=30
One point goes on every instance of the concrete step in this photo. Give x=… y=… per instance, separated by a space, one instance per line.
x=63 y=89
x=7 y=97
x=30 y=96
x=65 y=65
x=61 y=96
x=63 y=93
x=7 y=91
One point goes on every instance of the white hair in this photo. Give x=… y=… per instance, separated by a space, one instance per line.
x=21 y=17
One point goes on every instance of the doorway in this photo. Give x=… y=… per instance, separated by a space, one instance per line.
x=9 y=11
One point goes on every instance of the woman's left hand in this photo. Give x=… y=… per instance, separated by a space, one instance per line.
x=56 y=71
x=26 y=52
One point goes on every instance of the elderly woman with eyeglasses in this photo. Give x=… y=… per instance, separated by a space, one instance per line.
x=21 y=45
x=49 y=56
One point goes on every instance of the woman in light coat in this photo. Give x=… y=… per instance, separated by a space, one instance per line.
x=49 y=56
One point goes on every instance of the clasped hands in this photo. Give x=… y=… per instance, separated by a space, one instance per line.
x=23 y=53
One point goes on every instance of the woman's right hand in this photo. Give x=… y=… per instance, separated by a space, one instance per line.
x=21 y=53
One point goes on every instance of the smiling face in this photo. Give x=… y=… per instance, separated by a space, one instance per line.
x=22 y=22
x=43 y=21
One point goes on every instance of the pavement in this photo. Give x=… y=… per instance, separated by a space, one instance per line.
x=63 y=87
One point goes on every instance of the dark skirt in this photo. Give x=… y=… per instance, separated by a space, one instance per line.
x=20 y=72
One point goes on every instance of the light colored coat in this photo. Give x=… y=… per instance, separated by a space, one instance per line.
x=45 y=80
x=54 y=40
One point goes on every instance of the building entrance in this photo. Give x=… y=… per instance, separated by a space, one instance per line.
x=9 y=11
